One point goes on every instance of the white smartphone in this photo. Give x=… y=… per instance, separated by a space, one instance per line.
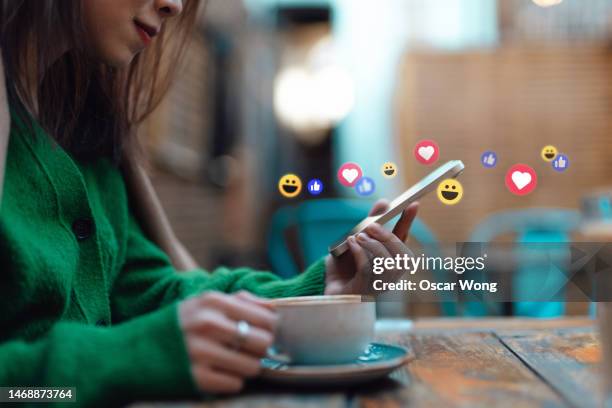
x=449 y=170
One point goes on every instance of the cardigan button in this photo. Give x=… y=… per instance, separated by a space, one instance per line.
x=83 y=228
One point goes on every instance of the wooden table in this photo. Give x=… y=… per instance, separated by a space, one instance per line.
x=466 y=363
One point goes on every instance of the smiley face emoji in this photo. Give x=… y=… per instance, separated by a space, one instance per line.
x=549 y=153
x=450 y=192
x=389 y=170
x=290 y=185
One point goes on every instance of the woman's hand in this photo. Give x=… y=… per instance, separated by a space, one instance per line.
x=351 y=273
x=223 y=350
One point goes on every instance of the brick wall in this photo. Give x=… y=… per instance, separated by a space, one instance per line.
x=513 y=101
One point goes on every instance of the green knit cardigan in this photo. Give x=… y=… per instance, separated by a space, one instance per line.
x=87 y=300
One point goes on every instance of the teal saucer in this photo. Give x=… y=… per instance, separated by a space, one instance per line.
x=377 y=361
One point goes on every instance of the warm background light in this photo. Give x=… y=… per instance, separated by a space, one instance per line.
x=547 y=3
x=314 y=94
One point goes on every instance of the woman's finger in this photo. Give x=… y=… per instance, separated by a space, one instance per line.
x=376 y=248
x=225 y=359
x=389 y=240
x=238 y=309
x=379 y=207
x=359 y=254
x=225 y=331
x=403 y=224
x=213 y=381
x=363 y=268
x=392 y=243
x=249 y=297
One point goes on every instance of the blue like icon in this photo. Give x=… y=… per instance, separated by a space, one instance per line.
x=489 y=159
x=315 y=187
x=561 y=163
x=365 y=186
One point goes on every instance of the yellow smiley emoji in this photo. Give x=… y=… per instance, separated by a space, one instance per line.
x=290 y=185
x=549 y=153
x=389 y=170
x=450 y=192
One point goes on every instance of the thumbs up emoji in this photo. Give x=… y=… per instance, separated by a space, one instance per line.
x=561 y=163
x=365 y=186
x=488 y=159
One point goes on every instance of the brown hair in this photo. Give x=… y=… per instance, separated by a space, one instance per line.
x=89 y=108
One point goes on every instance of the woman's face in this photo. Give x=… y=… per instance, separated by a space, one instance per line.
x=117 y=30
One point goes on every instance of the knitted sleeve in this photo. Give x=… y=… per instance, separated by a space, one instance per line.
x=148 y=280
x=143 y=359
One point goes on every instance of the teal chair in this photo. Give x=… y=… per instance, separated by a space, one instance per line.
x=541 y=233
x=318 y=224
x=279 y=255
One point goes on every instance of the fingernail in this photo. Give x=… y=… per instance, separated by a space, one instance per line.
x=362 y=237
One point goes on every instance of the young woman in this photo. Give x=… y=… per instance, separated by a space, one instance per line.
x=88 y=298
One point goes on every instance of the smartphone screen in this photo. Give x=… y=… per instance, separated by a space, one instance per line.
x=449 y=170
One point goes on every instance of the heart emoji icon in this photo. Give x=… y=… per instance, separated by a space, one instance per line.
x=521 y=179
x=426 y=152
x=349 y=174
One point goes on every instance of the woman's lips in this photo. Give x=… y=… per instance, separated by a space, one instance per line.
x=145 y=32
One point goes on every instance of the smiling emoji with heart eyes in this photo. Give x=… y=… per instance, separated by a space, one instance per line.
x=290 y=185
x=549 y=153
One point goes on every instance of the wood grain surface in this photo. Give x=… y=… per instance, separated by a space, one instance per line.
x=462 y=370
x=463 y=363
x=567 y=360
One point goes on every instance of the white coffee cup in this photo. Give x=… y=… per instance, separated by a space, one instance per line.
x=323 y=329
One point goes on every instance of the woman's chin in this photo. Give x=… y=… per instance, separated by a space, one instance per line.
x=118 y=59
x=122 y=62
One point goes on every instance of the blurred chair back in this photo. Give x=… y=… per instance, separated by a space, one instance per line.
x=319 y=223
x=541 y=233
x=279 y=254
